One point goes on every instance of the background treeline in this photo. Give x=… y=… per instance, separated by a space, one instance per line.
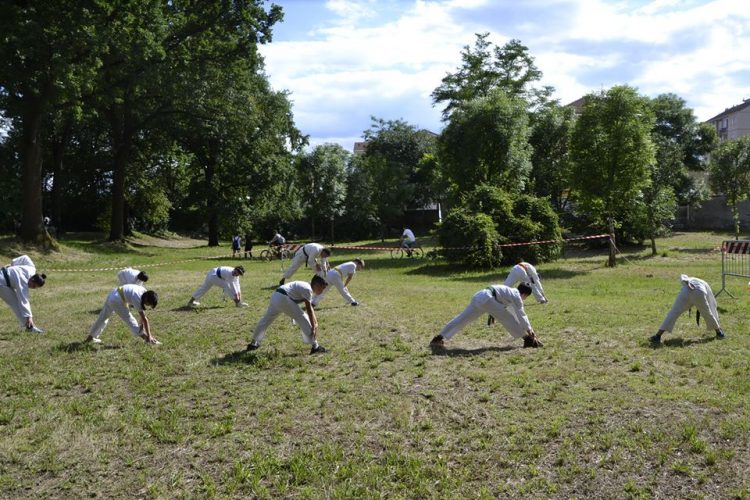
x=158 y=116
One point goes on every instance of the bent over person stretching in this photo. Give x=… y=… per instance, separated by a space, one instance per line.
x=119 y=301
x=225 y=277
x=286 y=299
x=15 y=282
x=694 y=292
x=313 y=255
x=523 y=272
x=501 y=302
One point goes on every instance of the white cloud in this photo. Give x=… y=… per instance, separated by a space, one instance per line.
x=357 y=65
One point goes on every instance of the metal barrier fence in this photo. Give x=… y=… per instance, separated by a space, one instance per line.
x=735 y=261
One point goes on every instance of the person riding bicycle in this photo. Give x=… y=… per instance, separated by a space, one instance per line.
x=408 y=240
x=277 y=242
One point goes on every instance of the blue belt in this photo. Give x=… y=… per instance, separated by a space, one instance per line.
x=218 y=272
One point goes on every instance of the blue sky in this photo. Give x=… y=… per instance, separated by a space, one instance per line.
x=346 y=60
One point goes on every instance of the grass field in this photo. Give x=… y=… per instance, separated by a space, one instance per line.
x=596 y=413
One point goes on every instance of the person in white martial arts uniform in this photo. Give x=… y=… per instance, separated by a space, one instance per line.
x=504 y=304
x=340 y=276
x=286 y=299
x=408 y=240
x=119 y=301
x=694 y=292
x=16 y=280
x=225 y=277
x=313 y=255
x=523 y=272
x=130 y=276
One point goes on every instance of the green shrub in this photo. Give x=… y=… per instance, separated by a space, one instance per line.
x=518 y=218
x=462 y=228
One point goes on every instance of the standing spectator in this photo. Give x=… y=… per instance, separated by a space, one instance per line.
x=236 y=245
x=248 y=245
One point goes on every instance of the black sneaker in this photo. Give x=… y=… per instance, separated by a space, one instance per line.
x=720 y=334
x=281 y=281
x=355 y=303
x=656 y=339
x=437 y=341
x=319 y=349
x=252 y=346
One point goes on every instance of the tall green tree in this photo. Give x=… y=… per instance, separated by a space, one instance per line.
x=552 y=127
x=729 y=173
x=48 y=57
x=394 y=151
x=612 y=153
x=485 y=68
x=486 y=142
x=323 y=184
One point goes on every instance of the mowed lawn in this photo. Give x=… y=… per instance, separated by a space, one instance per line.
x=595 y=413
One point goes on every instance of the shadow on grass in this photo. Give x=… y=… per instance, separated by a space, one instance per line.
x=196 y=309
x=242 y=357
x=443 y=351
x=682 y=342
x=83 y=347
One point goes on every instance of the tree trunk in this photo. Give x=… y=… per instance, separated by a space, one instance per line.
x=612 y=248
x=121 y=143
x=653 y=246
x=211 y=204
x=59 y=142
x=32 y=228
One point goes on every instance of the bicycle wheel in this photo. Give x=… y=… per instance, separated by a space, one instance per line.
x=397 y=253
x=266 y=255
x=417 y=252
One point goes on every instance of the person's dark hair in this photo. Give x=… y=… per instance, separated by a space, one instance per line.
x=327 y=252
x=142 y=276
x=317 y=280
x=360 y=262
x=240 y=270
x=38 y=279
x=524 y=289
x=149 y=298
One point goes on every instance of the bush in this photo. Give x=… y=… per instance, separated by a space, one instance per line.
x=476 y=231
x=515 y=219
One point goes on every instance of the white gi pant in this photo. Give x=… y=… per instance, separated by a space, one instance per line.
x=517 y=275
x=213 y=280
x=280 y=303
x=483 y=302
x=114 y=303
x=297 y=261
x=334 y=278
x=705 y=302
x=9 y=296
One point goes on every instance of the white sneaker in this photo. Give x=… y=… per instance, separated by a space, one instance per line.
x=193 y=303
x=242 y=304
x=95 y=340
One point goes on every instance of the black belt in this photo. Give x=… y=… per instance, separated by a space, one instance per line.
x=218 y=272
x=7 y=277
x=494 y=293
x=306 y=256
x=283 y=292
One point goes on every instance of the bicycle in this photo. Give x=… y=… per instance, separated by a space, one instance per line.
x=274 y=252
x=401 y=252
